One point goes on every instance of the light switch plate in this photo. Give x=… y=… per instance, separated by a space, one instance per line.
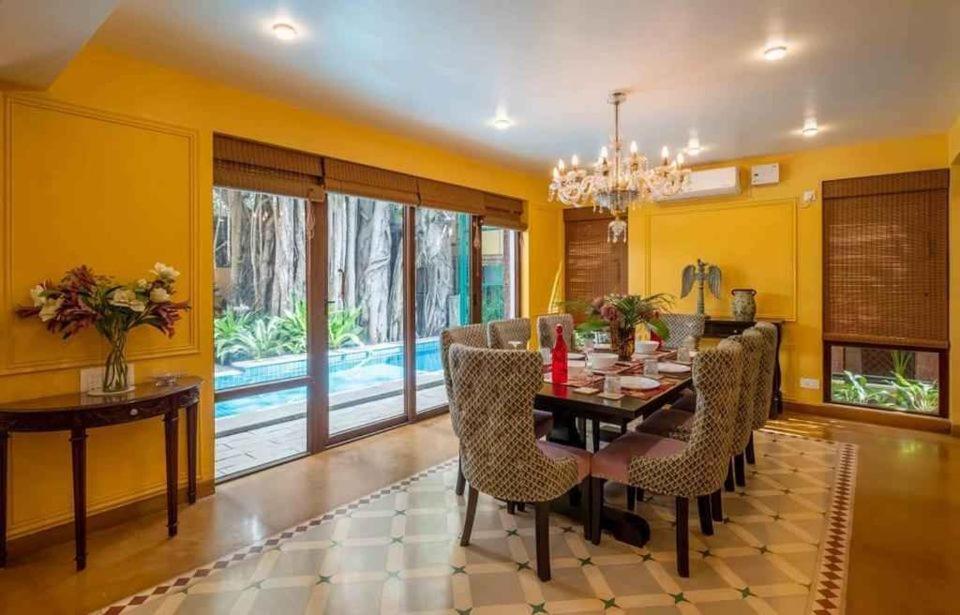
x=92 y=377
x=810 y=383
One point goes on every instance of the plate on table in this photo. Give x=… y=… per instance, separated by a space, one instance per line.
x=638 y=382
x=575 y=356
x=673 y=368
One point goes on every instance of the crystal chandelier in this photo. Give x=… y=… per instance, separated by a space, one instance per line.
x=617 y=184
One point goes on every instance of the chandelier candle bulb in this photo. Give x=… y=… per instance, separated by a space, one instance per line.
x=574 y=161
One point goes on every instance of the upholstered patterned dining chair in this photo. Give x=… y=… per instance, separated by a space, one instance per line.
x=764 y=391
x=546 y=329
x=499 y=451
x=475 y=336
x=681 y=326
x=692 y=469
x=501 y=332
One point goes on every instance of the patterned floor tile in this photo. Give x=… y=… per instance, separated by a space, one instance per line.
x=783 y=549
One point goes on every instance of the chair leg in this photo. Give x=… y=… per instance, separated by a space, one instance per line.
x=728 y=484
x=739 y=471
x=511 y=508
x=595 y=432
x=522 y=506
x=716 y=506
x=683 y=537
x=703 y=508
x=471 y=513
x=596 y=503
x=461 y=480
x=543 y=540
x=750 y=452
x=640 y=495
x=631 y=498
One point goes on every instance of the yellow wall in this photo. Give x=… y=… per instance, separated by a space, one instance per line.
x=767 y=239
x=112 y=167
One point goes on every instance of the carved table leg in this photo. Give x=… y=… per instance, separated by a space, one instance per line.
x=191 y=453
x=3 y=498
x=78 y=446
x=170 y=432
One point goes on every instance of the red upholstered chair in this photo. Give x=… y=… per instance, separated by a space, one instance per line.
x=692 y=469
x=500 y=454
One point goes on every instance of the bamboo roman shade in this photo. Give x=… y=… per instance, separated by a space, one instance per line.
x=441 y=195
x=371 y=182
x=503 y=211
x=593 y=266
x=885 y=260
x=249 y=165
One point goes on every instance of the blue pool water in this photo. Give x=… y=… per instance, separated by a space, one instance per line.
x=348 y=372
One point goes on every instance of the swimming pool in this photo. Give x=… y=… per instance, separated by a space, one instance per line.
x=351 y=370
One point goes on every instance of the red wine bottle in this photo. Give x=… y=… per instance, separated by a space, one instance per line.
x=558 y=366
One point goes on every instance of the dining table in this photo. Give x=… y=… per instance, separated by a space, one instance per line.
x=571 y=409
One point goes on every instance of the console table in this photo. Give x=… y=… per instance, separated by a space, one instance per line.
x=721 y=327
x=77 y=412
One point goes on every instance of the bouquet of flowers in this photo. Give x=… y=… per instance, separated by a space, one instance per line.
x=82 y=299
x=622 y=314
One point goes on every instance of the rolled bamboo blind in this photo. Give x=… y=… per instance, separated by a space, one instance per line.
x=249 y=165
x=371 y=182
x=885 y=260
x=503 y=211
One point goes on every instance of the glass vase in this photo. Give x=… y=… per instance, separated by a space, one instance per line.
x=115 y=369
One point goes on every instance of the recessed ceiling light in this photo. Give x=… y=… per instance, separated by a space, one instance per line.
x=693 y=146
x=810 y=127
x=774 y=53
x=501 y=122
x=284 y=31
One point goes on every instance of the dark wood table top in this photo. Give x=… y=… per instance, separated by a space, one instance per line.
x=627 y=408
x=143 y=393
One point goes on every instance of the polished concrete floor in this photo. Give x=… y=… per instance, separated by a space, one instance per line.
x=906 y=533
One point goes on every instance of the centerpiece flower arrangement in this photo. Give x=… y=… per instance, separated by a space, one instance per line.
x=82 y=299
x=622 y=314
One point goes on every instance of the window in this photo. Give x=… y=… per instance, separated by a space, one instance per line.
x=500 y=261
x=260 y=329
x=885 y=303
x=442 y=294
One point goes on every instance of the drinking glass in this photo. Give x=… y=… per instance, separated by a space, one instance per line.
x=651 y=368
x=611 y=385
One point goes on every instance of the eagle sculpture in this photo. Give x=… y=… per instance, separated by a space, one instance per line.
x=700 y=273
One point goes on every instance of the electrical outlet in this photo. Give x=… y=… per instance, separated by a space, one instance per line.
x=92 y=377
x=810 y=383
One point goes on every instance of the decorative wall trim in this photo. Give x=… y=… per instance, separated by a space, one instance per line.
x=9 y=365
x=692 y=209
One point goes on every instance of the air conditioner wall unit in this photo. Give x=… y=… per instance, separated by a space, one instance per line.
x=724 y=181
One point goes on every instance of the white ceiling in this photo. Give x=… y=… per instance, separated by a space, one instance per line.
x=38 y=38
x=439 y=69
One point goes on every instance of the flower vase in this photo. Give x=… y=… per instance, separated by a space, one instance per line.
x=115 y=372
x=624 y=341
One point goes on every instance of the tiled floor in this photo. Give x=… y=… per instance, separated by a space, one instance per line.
x=238 y=453
x=397 y=551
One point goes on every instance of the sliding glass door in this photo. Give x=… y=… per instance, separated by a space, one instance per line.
x=366 y=287
x=500 y=273
x=260 y=329
x=443 y=298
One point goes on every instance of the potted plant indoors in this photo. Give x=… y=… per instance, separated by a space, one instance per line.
x=622 y=314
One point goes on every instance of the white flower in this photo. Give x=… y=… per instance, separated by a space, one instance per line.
x=50 y=309
x=142 y=284
x=159 y=295
x=123 y=297
x=165 y=272
x=36 y=294
x=138 y=306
